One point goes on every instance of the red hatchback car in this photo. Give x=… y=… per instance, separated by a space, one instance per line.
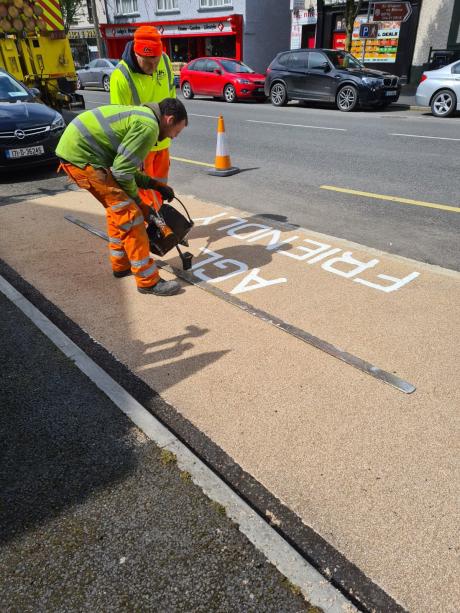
x=221 y=77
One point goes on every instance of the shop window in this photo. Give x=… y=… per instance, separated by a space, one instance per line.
x=210 y=4
x=339 y=23
x=125 y=7
x=167 y=5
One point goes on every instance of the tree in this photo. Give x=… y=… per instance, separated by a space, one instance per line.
x=352 y=8
x=69 y=10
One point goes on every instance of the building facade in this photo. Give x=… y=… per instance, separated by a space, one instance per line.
x=438 y=35
x=250 y=30
x=321 y=23
x=82 y=34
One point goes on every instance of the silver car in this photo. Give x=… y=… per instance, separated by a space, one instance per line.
x=96 y=74
x=440 y=89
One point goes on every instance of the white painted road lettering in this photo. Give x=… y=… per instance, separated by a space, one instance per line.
x=311 y=252
x=219 y=262
x=396 y=283
x=346 y=258
x=249 y=283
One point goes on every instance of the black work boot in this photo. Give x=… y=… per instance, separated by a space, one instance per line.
x=119 y=274
x=162 y=288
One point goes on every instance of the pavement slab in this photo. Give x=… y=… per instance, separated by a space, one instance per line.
x=374 y=471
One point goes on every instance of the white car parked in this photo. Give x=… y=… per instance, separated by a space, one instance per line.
x=440 y=89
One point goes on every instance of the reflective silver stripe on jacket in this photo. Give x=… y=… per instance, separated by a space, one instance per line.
x=116 y=241
x=84 y=131
x=168 y=70
x=105 y=125
x=131 y=224
x=145 y=114
x=125 y=72
x=139 y=263
x=148 y=272
x=124 y=176
x=121 y=205
x=129 y=155
x=124 y=114
x=162 y=179
x=117 y=254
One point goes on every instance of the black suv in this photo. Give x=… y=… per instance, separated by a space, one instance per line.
x=328 y=75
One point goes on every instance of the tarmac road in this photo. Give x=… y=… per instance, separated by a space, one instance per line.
x=400 y=165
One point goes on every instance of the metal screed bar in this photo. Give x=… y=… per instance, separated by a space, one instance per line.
x=336 y=352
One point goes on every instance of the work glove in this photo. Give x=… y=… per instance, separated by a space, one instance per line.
x=166 y=192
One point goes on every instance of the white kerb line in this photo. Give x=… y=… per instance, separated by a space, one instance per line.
x=316 y=589
x=297 y=125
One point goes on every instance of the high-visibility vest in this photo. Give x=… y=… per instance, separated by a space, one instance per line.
x=114 y=137
x=129 y=87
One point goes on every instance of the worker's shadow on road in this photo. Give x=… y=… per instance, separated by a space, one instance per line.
x=160 y=359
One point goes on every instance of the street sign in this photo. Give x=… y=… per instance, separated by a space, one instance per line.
x=368 y=30
x=392 y=11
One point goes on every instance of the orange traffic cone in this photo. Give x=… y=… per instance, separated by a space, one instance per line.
x=223 y=165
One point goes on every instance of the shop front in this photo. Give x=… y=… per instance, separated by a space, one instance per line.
x=83 y=45
x=184 y=40
x=303 y=28
x=391 y=50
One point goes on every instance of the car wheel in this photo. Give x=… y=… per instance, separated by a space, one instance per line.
x=444 y=103
x=278 y=94
x=347 y=98
x=187 y=91
x=229 y=94
x=79 y=84
x=106 y=83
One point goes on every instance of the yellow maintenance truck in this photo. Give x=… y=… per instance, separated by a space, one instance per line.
x=35 y=49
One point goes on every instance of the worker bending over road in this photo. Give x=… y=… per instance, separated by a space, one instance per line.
x=102 y=150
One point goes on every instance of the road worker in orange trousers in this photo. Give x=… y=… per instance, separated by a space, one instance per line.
x=144 y=75
x=102 y=150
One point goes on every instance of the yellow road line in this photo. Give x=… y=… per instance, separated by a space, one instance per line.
x=430 y=205
x=192 y=162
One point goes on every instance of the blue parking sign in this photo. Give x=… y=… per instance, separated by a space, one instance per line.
x=368 y=30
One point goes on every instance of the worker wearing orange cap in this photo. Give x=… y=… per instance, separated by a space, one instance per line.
x=145 y=75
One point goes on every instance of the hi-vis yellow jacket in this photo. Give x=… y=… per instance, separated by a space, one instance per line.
x=113 y=137
x=131 y=87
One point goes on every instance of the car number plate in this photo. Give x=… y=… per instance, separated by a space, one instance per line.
x=391 y=92
x=24 y=152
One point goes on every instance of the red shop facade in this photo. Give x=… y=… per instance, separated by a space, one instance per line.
x=183 y=40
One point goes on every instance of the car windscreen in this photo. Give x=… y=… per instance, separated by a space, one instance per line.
x=235 y=67
x=11 y=90
x=114 y=62
x=342 y=59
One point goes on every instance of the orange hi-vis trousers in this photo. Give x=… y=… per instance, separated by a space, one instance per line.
x=128 y=240
x=156 y=166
